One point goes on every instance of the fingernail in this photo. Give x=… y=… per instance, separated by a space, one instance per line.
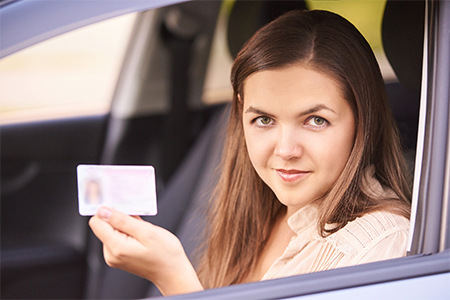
x=104 y=213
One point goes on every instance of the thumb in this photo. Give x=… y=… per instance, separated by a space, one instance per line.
x=122 y=222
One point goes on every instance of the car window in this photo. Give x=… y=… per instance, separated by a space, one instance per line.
x=69 y=75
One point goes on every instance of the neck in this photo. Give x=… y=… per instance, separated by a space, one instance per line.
x=290 y=210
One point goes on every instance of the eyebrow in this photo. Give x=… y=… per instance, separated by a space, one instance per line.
x=311 y=110
x=257 y=111
x=316 y=109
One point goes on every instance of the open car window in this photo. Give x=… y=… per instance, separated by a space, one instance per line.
x=430 y=206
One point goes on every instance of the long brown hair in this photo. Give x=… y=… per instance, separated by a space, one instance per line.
x=245 y=208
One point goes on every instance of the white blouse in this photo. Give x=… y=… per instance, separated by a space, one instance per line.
x=372 y=237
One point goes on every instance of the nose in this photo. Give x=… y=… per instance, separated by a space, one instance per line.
x=288 y=145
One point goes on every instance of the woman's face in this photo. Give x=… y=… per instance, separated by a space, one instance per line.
x=299 y=132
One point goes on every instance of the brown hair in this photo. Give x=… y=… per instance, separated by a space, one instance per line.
x=245 y=208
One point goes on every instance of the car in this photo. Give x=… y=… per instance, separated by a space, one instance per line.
x=168 y=109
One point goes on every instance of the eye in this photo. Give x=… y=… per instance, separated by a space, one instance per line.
x=316 y=122
x=263 y=121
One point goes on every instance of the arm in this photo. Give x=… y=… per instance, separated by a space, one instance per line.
x=149 y=251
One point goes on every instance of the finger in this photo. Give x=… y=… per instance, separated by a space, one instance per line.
x=137 y=217
x=101 y=228
x=116 y=245
x=110 y=237
x=132 y=226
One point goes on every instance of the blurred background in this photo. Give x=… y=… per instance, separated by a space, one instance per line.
x=75 y=74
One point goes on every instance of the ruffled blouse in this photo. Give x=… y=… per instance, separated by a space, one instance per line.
x=373 y=237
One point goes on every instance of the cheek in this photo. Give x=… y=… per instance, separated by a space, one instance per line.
x=258 y=147
x=252 y=149
x=338 y=153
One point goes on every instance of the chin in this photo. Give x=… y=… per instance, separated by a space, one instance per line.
x=292 y=201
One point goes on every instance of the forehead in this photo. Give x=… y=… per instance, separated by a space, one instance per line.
x=293 y=85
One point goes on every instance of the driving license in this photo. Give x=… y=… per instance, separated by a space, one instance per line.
x=129 y=189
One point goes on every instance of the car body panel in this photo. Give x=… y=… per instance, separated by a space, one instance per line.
x=437 y=288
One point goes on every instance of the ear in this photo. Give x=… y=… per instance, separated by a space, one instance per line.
x=239 y=98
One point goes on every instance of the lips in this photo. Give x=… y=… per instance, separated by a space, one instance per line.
x=291 y=175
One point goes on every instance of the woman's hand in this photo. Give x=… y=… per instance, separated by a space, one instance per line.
x=149 y=251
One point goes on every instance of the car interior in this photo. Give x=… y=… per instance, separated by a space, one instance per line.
x=157 y=118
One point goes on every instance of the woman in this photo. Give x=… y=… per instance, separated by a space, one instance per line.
x=313 y=176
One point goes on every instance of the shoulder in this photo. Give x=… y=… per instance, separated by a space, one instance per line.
x=374 y=236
